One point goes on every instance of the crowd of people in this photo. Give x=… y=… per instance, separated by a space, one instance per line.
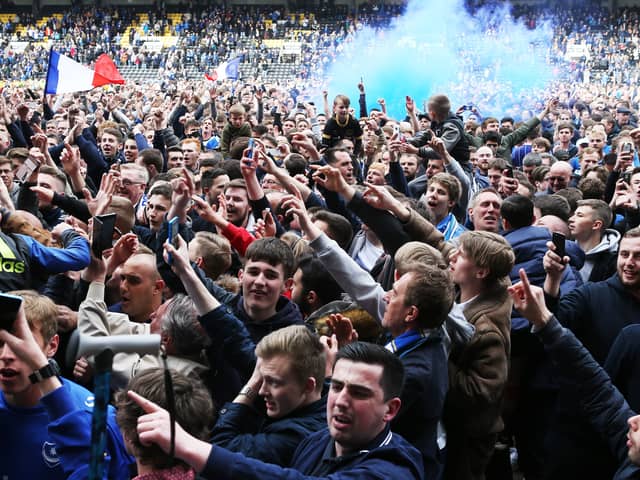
x=339 y=293
x=205 y=37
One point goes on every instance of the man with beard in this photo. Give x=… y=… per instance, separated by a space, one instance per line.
x=238 y=207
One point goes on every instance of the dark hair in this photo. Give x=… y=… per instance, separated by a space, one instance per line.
x=273 y=251
x=493 y=136
x=440 y=105
x=553 y=205
x=295 y=164
x=162 y=190
x=532 y=159
x=259 y=130
x=152 y=156
x=316 y=277
x=338 y=227
x=592 y=188
x=431 y=291
x=517 y=210
x=208 y=176
x=232 y=167
x=194 y=411
x=392 y=379
x=573 y=195
x=237 y=147
x=330 y=154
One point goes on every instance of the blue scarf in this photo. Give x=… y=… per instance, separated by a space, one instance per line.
x=449 y=227
x=407 y=339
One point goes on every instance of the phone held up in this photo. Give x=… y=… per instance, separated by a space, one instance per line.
x=9 y=306
x=172 y=236
x=558 y=240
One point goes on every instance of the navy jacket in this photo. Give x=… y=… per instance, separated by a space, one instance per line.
x=234 y=337
x=243 y=429
x=388 y=456
x=423 y=395
x=623 y=365
x=601 y=403
x=529 y=246
x=595 y=313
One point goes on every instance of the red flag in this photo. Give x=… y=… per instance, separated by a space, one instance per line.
x=106 y=72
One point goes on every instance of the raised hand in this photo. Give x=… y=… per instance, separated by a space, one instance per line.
x=529 y=301
x=98 y=205
x=265 y=226
x=342 y=329
x=330 y=178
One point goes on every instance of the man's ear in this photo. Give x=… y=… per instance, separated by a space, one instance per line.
x=159 y=285
x=199 y=262
x=288 y=284
x=412 y=314
x=597 y=225
x=482 y=273
x=312 y=297
x=240 y=273
x=393 y=407
x=51 y=347
x=309 y=386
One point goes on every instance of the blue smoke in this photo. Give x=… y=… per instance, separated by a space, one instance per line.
x=486 y=59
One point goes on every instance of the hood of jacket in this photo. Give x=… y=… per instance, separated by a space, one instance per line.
x=609 y=243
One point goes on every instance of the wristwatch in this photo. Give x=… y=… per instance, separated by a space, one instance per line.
x=247 y=392
x=51 y=369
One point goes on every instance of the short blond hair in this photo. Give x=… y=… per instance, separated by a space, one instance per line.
x=302 y=347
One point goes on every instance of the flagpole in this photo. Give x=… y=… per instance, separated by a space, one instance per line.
x=46 y=82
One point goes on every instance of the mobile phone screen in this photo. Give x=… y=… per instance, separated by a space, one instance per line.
x=172 y=236
x=102 y=236
x=558 y=240
x=9 y=306
x=26 y=169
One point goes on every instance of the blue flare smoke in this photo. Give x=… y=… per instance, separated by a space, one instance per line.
x=487 y=59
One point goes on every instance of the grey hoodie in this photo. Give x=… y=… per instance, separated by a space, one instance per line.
x=609 y=243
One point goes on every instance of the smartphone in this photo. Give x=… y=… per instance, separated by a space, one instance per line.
x=172 y=236
x=508 y=172
x=102 y=233
x=558 y=240
x=627 y=147
x=396 y=131
x=9 y=306
x=468 y=108
x=25 y=170
x=250 y=147
x=626 y=177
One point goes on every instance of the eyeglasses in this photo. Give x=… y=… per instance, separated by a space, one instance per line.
x=557 y=179
x=127 y=183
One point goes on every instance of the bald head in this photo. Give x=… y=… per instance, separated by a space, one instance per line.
x=559 y=176
x=554 y=224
